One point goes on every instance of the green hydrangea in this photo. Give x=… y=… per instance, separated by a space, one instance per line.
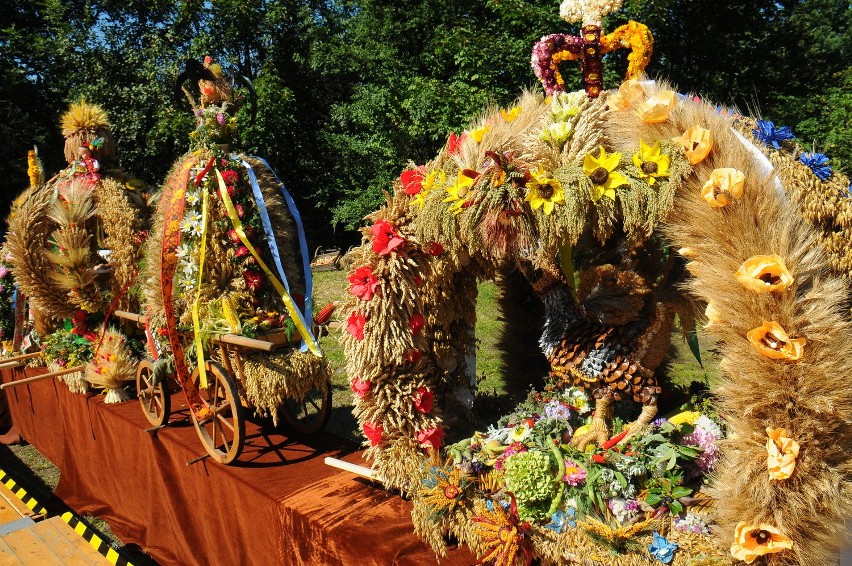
x=529 y=476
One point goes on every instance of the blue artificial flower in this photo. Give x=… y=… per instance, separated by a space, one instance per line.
x=818 y=162
x=767 y=133
x=662 y=549
x=561 y=518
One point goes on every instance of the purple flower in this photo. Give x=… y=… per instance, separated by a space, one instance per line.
x=706 y=441
x=3 y=271
x=558 y=410
x=657 y=423
x=769 y=134
x=220 y=118
x=818 y=162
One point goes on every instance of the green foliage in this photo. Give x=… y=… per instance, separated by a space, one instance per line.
x=66 y=349
x=350 y=91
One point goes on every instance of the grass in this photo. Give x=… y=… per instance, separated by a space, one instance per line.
x=41 y=477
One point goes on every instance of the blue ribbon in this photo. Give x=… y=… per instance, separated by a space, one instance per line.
x=273 y=245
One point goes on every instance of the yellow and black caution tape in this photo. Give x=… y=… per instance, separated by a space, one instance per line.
x=22 y=494
x=93 y=539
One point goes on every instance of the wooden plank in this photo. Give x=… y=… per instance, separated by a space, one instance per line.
x=8 y=513
x=30 y=549
x=13 y=501
x=7 y=557
x=66 y=544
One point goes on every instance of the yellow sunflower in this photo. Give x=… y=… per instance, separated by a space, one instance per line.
x=544 y=192
x=601 y=171
x=459 y=192
x=651 y=163
x=433 y=179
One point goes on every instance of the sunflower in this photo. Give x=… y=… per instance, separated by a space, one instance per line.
x=601 y=171
x=651 y=163
x=459 y=192
x=544 y=192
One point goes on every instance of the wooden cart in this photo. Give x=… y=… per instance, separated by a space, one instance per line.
x=220 y=419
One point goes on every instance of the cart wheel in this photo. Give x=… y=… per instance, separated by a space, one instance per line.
x=154 y=397
x=224 y=431
x=311 y=413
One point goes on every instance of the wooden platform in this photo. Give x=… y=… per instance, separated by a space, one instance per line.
x=47 y=543
x=27 y=538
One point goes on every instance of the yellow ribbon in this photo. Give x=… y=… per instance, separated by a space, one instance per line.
x=196 y=320
x=288 y=301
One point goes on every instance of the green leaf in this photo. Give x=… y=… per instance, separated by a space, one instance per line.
x=681 y=491
x=653 y=499
x=692 y=340
x=675 y=507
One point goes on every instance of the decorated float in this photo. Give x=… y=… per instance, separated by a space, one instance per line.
x=622 y=210
x=73 y=247
x=227 y=306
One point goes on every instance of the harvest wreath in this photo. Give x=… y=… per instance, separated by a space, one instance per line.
x=622 y=209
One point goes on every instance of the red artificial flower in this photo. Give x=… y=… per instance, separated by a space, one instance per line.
x=454 y=142
x=230 y=176
x=373 y=432
x=416 y=323
x=385 y=238
x=423 y=400
x=365 y=285
x=239 y=208
x=431 y=437
x=413 y=356
x=412 y=180
x=355 y=325
x=252 y=279
x=435 y=249
x=360 y=387
x=231 y=190
x=242 y=251
x=232 y=234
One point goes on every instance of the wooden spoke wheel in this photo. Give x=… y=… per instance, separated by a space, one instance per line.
x=310 y=414
x=154 y=397
x=223 y=429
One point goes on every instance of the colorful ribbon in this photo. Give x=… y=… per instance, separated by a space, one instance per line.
x=196 y=320
x=292 y=309
x=173 y=208
x=303 y=243
x=273 y=244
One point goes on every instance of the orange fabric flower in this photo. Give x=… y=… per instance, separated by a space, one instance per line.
x=773 y=342
x=764 y=274
x=723 y=186
x=781 y=454
x=751 y=541
x=657 y=108
x=629 y=94
x=696 y=143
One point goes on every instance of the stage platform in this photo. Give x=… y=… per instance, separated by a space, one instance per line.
x=278 y=504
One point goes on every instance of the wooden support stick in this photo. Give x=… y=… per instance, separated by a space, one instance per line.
x=130 y=316
x=15 y=360
x=353 y=468
x=43 y=376
x=253 y=343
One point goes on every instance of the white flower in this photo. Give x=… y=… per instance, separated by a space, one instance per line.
x=192 y=224
x=184 y=250
x=189 y=268
x=193 y=198
x=709 y=426
x=591 y=12
x=520 y=433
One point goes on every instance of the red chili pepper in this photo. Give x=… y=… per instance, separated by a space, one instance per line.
x=615 y=439
x=599 y=458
